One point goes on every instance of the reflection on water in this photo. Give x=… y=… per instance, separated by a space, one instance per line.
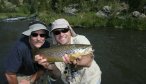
x=119 y=53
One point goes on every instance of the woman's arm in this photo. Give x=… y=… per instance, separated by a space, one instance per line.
x=54 y=72
x=11 y=78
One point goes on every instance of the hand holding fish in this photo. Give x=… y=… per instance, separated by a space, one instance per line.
x=81 y=61
x=43 y=61
x=54 y=72
x=77 y=54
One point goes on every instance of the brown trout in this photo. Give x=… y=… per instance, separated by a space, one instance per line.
x=55 y=53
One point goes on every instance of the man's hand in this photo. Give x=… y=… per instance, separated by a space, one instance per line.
x=81 y=61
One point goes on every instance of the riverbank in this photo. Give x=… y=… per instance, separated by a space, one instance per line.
x=89 y=20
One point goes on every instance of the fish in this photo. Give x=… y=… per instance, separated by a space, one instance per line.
x=56 y=53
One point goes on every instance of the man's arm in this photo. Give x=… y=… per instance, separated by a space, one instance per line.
x=85 y=60
x=34 y=77
x=11 y=78
x=54 y=72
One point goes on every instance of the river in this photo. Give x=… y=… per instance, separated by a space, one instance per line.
x=121 y=54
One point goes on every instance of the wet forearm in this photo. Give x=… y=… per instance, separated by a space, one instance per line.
x=85 y=61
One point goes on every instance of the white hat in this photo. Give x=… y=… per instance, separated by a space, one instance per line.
x=34 y=27
x=62 y=23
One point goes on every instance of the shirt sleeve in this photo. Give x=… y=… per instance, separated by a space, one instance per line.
x=13 y=60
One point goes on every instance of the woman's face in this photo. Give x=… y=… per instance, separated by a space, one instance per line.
x=37 y=38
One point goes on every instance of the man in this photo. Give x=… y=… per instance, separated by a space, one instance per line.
x=20 y=67
x=84 y=69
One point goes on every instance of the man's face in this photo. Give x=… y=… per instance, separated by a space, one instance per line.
x=62 y=35
x=37 y=38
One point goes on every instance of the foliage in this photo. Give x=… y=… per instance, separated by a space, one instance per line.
x=23 y=9
x=49 y=10
x=136 y=4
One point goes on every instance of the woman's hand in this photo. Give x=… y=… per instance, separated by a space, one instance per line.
x=43 y=61
x=54 y=72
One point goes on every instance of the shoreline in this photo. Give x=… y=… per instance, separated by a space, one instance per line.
x=88 y=20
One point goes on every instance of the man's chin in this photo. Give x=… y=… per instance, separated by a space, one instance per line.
x=38 y=46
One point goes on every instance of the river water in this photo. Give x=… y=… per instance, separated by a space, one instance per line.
x=121 y=54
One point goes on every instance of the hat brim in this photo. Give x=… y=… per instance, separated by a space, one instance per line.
x=33 y=28
x=59 y=27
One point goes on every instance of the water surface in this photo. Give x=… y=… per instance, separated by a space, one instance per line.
x=121 y=54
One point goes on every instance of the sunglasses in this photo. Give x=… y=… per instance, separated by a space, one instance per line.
x=58 y=31
x=36 y=34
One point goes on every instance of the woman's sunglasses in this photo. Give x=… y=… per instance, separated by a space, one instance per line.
x=58 y=31
x=36 y=34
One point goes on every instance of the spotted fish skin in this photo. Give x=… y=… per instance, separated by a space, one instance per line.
x=55 y=53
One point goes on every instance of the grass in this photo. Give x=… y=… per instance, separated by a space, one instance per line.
x=9 y=15
x=89 y=20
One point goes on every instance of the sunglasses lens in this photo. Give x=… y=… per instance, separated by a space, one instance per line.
x=65 y=30
x=58 y=31
x=35 y=35
x=43 y=35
